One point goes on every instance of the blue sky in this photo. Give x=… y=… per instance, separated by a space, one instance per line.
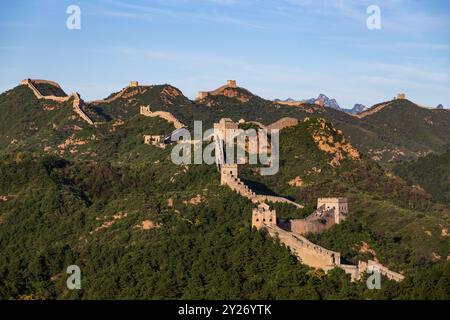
x=276 y=49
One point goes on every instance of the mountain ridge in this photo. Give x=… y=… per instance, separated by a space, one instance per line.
x=367 y=130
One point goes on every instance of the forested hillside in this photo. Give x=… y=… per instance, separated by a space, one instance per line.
x=431 y=173
x=141 y=227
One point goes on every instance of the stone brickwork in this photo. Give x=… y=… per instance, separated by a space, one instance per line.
x=307 y=252
x=262 y=216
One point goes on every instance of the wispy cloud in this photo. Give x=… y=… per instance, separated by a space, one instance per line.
x=152 y=11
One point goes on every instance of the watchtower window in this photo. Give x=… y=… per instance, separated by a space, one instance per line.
x=264 y=220
x=257 y=220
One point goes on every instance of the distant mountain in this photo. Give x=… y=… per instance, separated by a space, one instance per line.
x=324 y=101
x=285 y=100
x=358 y=108
x=440 y=106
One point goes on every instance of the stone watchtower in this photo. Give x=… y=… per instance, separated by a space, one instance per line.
x=202 y=95
x=224 y=125
x=228 y=171
x=262 y=216
x=231 y=83
x=134 y=84
x=340 y=206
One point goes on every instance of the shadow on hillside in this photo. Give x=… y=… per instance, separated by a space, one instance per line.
x=262 y=189
x=99 y=112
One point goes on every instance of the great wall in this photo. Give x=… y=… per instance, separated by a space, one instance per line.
x=145 y=111
x=203 y=94
x=330 y=211
x=78 y=103
x=133 y=84
x=291 y=232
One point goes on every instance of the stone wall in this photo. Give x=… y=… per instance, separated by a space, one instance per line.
x=145 y=111
x=307 y=252
x=78 y=108
x=374 y=265
x=37 y=93
x=238 y=186
x=204 y=94
x=77 y=101
x=323 y=218
x=275 y=199
x=305 y=226
x=283 y=123
x=232 y=180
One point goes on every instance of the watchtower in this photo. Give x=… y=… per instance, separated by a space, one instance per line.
x=263 y=216
x=224 y=125
x=228 y=171
x=231 y=83
x=202 y=95
x=340 y=206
